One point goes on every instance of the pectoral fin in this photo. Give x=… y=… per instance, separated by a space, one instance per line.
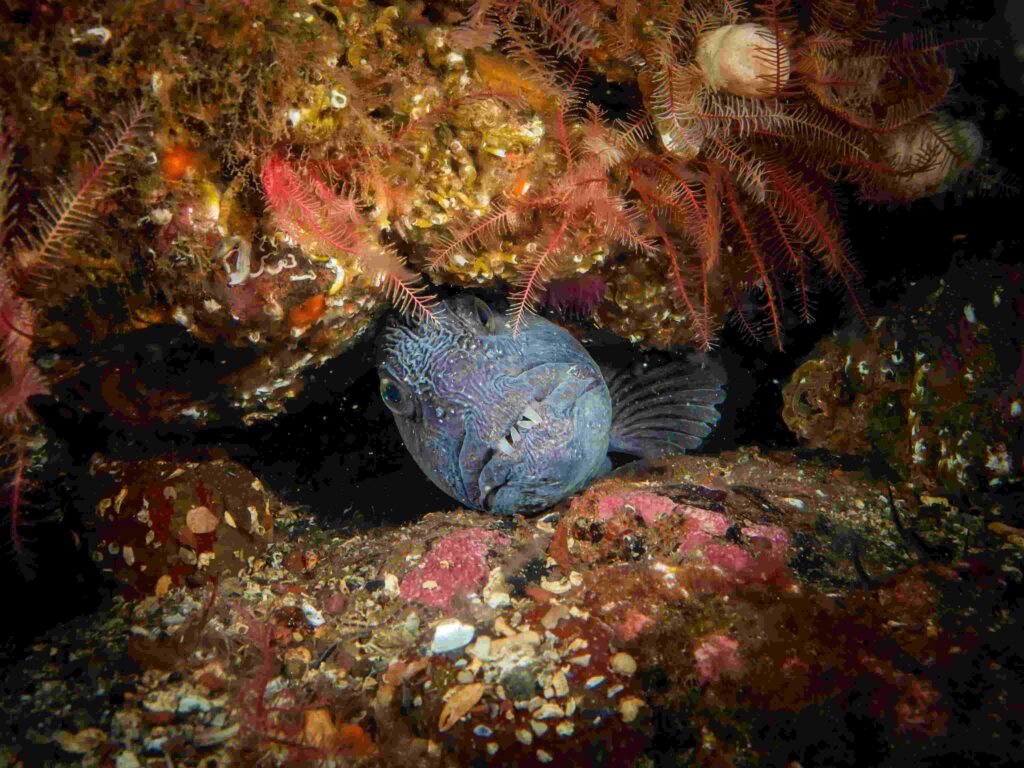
x=662 y=409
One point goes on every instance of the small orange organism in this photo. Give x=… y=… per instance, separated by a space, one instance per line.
x=179 y=161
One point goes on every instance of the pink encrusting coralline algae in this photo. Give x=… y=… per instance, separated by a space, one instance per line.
x=648 y=506
x=454 y=567
x=715 y=656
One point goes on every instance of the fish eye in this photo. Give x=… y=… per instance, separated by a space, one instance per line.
x=395 y=397
x=484 y=315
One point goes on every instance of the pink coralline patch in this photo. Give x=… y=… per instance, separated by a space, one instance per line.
x=701 y=527
x=455 y=566
x=648 y=506
x=717 y=655
x=731 y=558
x=633 y=624
x=762 y=561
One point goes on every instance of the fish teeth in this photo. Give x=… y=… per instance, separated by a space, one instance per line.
x=505 y=446
x=530 y=418
x=513 y=435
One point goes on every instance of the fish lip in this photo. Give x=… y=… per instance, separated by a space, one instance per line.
x=495 y=454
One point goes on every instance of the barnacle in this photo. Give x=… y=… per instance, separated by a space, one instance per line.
x=466 y=152
x=748 y=119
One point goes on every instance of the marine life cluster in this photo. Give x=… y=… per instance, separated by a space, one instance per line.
x=284 y=168
x=936 y=390
x=244 y=187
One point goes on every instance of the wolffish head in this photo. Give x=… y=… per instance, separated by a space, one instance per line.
x=501 y=423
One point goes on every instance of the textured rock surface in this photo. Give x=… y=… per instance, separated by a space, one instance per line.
x=742 y=609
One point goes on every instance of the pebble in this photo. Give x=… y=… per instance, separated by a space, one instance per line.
x=524 y=736
x=189 y=704
x=554 y=614
x=519 y=683
x=629 y=708
x=549 y=710
x=451 y=635
x=560 y=684
x=127 y=760
x=482 y=647
x=623 y=664
x=496 y=599
x=313 y=616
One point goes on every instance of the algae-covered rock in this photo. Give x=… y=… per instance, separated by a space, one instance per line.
x=747 y=608
x=936 y=388
x=162 y=522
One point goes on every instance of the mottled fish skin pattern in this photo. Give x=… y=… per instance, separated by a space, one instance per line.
x=501 y=422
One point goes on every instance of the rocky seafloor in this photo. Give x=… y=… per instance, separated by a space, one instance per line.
x=748 y=608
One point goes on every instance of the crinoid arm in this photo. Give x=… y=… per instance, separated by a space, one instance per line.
x=66 y=212
x=330 y=224
x=536 y=275
x=408 y=297
x=502 y=219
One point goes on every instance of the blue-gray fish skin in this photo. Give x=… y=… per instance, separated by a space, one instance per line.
x=509 y=423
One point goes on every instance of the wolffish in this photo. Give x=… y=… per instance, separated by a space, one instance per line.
x=508 y=423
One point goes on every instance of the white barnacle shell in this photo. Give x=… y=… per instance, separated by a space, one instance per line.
x=744 y=59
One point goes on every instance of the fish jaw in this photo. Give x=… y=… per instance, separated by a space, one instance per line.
x=552 y=449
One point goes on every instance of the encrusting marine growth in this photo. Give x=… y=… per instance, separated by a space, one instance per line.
x=658 y=166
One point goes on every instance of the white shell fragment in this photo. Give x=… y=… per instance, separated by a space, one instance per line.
x=450 y=635
x=313 y=616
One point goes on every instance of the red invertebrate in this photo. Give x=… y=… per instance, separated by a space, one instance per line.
x=28 y=257
x=328 y=224
x=748 y=119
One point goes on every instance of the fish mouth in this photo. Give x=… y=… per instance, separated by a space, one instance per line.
x=536 y=412
x=506 y=446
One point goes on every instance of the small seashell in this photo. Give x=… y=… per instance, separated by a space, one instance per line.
x=95 y=37
x=450 y=635
x=313 y=616
x=548 y=711
x=339 y=100
x=623 y=664
x=560 y=683
x=201 y=520
x=462 y=699
x=629 y=708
